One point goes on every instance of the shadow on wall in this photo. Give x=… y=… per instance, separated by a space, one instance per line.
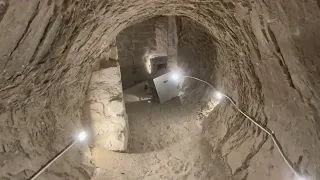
x=197 y=56
x=4 y=4
x=134 y=74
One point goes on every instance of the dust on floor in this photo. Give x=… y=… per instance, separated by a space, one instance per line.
x=165 y=143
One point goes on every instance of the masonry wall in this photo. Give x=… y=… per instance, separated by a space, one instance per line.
x=137 y=44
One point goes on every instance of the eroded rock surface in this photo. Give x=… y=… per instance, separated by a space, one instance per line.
x=106 y=116
x=267 y=61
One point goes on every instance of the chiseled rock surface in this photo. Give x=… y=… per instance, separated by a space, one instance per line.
x=107 y=117
x=267 y=61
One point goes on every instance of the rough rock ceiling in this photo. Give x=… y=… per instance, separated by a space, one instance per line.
x=267 y=61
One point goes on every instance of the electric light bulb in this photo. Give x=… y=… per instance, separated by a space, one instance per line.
x=218 y=95
x=301 y=178
x=82 y=136
x=175 y=76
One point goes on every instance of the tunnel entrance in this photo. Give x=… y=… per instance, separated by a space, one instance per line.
x=170 y=132
x=154 y=124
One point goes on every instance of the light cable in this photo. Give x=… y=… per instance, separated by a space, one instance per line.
x=269 y=132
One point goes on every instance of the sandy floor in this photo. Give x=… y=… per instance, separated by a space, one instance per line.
x=165 y=143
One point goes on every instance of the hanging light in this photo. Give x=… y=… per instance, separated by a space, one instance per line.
x=218 y=95
x=82 y=136
x=175 y=76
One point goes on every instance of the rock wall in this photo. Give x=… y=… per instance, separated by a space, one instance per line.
x=137 y=44
x=267 y=61
x=262 y=77
x=106 y=117
x=172 y=43
x=42 y=88
x=197 y=56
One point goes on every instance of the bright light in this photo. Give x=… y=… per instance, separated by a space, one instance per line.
x=148 y=63
x=82 y=136
x=175 y=76
x=218 y=95
x=298 y=177
x=301 y=178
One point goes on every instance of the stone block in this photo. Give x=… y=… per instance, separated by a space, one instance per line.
x=114 y=141
x=108 y=117
x=116 y=108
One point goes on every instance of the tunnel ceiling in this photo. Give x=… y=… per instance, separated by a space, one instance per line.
x=267 y=61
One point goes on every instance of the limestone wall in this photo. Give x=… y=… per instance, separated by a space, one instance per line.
x=137 y=44
x=105 y=111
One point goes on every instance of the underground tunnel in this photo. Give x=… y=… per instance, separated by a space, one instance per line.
x=68 y=66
